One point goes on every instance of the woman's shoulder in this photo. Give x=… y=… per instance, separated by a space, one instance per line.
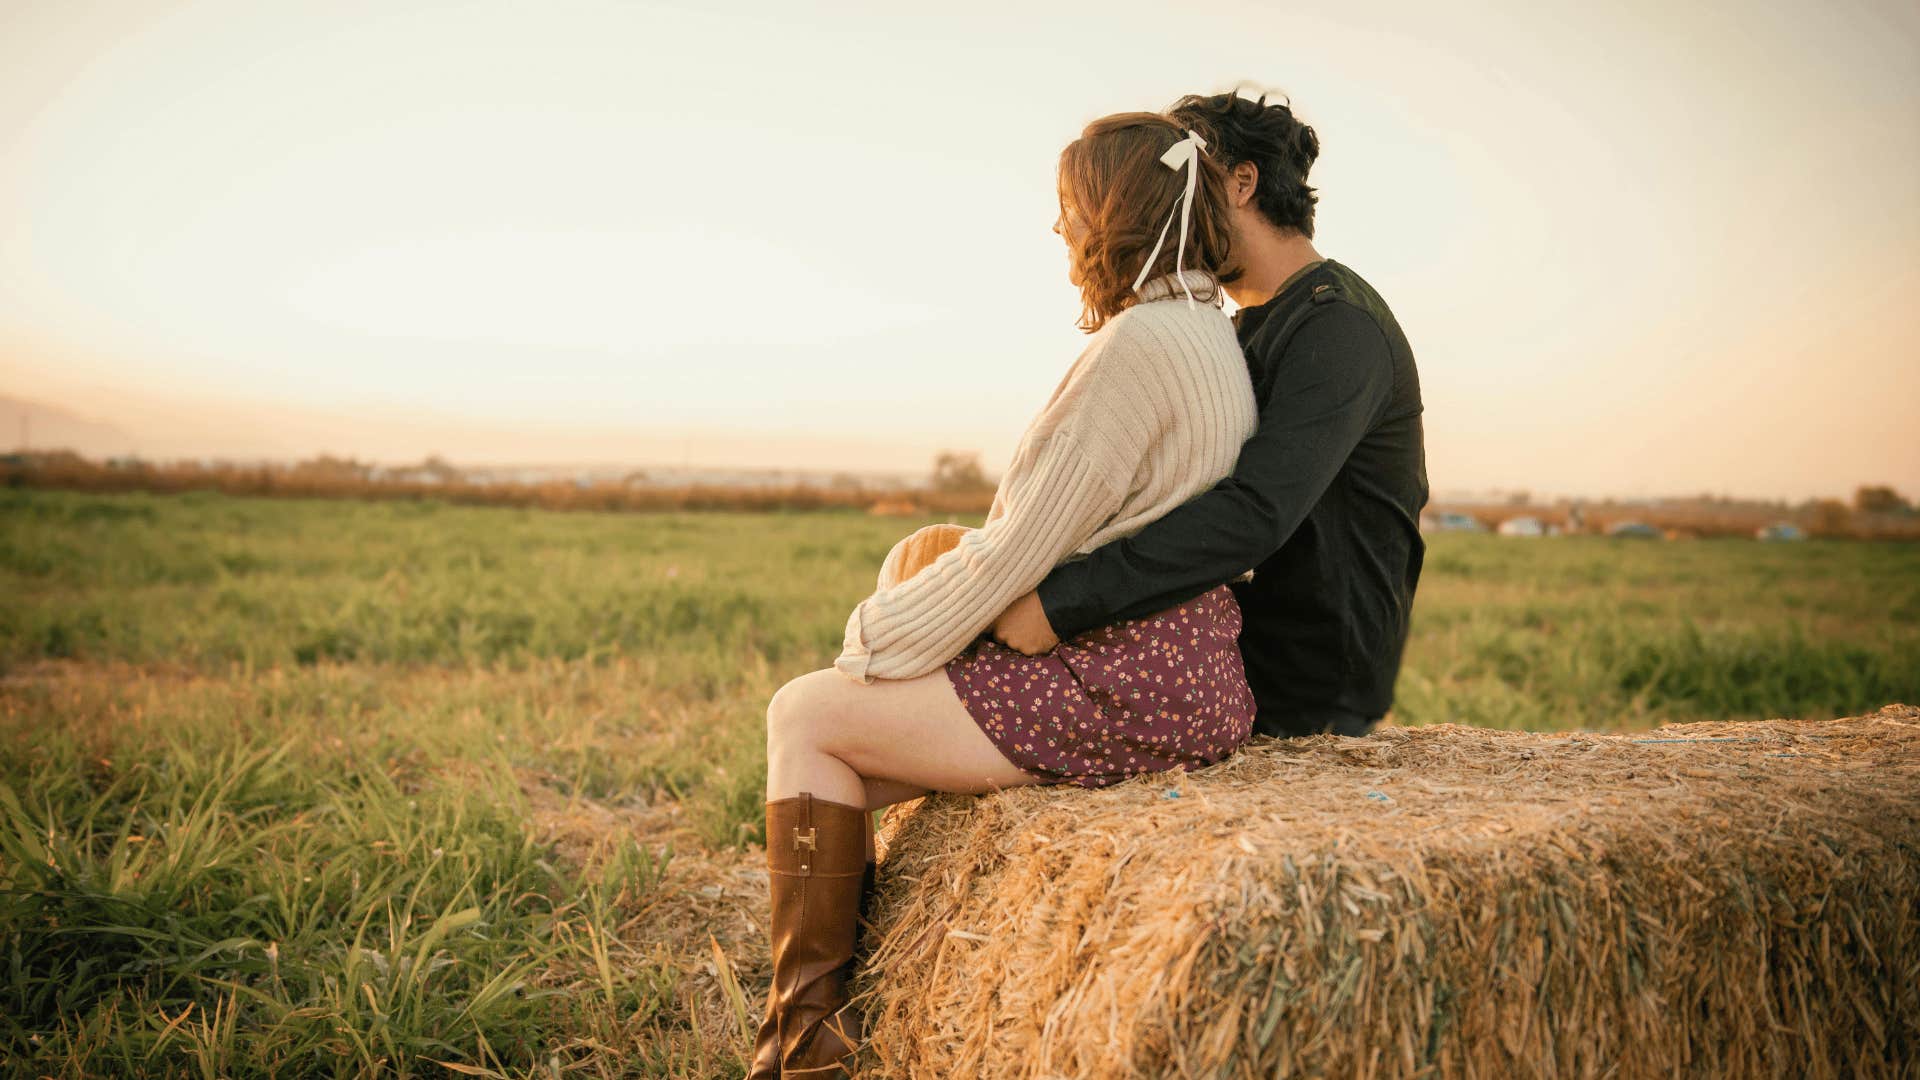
x=1169 y=310
x=1163 y=326
x=1139 y=347
x=1190 y=296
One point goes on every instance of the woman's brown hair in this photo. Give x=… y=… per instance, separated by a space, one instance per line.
x=1114 y=185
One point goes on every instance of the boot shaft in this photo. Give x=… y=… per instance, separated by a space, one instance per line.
x=817 y=873
x=809 y=837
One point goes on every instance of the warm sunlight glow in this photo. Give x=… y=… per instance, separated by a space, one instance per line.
x=1638 y=248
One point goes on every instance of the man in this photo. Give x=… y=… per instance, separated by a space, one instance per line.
x=1324 y=502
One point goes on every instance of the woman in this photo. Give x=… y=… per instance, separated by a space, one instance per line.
x=1151 y=413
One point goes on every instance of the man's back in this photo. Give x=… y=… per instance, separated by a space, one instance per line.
x=1326 y=615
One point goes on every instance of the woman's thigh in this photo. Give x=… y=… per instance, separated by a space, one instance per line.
x=915 y=731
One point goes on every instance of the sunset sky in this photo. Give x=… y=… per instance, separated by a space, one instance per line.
x=1639 y=248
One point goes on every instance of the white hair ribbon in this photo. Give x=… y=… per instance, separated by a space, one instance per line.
x=1183 y=153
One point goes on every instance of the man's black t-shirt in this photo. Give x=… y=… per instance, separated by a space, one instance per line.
x=1323 y=505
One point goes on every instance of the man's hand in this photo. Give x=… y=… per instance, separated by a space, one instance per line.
x=1023 y=627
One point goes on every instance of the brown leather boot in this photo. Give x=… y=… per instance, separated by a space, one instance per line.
x=867 y=874
x=816 y=866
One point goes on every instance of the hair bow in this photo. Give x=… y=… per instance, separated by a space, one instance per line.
x=1183 y=154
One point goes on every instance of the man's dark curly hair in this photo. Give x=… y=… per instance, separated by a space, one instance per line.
x=1241 y=129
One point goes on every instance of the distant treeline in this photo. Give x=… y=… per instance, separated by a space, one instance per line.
x=1876 y=513
x=956 y=485
x=952 y=491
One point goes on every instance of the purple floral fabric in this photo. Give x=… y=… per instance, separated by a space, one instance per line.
x=1160 y=692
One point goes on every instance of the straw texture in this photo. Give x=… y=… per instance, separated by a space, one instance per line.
x=1707 y=899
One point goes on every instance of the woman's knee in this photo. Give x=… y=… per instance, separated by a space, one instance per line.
x=792 y=712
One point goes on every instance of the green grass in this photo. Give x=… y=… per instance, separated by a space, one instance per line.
x=1596 y=633
x=209 y=581
x=214 y=882
x=329 y=788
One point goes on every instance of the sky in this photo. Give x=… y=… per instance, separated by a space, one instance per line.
x=1639 y=248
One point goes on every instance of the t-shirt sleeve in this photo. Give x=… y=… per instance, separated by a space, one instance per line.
x=1055 y=498
x=1331 y=387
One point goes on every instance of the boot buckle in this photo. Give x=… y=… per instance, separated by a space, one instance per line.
x=806 y=838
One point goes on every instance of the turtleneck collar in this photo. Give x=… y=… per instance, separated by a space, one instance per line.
x=1168 y=285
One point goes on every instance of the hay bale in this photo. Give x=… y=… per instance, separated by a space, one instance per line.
x=1708 y=899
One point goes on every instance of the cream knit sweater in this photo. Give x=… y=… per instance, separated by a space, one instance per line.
x=1151 y=414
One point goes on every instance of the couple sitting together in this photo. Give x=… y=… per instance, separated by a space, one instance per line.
x=1210 y=530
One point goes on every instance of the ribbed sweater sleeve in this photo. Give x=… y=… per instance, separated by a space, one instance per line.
x=1052 y=502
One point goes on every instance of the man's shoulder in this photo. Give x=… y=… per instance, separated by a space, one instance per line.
x=1335 y=310
x=1326 y=331
x=1345 y=287
x=1326 y=319
x=1363 y=306
x=1336 y=292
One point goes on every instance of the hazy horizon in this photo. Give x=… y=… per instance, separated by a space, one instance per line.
x=1638 y=249
x=711 y=453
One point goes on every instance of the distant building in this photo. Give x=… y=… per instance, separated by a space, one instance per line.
x=1451 y=522
x=1522 y=526
x=1634 y=530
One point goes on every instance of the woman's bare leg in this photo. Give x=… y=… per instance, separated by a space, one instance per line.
x=887 y=792
x=860 y=745
x=837 y=738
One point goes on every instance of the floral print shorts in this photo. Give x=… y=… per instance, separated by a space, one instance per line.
x=1160 y=692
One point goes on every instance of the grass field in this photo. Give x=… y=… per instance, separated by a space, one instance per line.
x=309 y=787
